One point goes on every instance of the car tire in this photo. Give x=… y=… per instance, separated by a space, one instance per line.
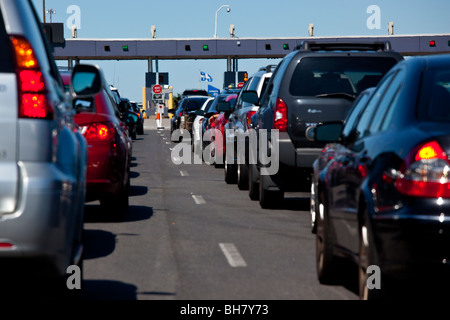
x=367 y=258
x=326 y=264
x=117 y=204
x=253 y=185
x=314 y=208
x=268 y=199
x=230 y=172
x=242 y=176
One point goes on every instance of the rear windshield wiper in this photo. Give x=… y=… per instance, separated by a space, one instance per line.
x=337 y=95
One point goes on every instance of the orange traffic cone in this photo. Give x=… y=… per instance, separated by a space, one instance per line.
x=158 y=120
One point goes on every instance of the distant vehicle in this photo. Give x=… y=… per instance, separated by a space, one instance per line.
x=384 y=198
x=197 y=124
x=43 y=158
x=218 y=123
x=194 y=92
x=316 y=82
x=140 y=122
x=184 y=116
x=129 y=116
x=237 y=127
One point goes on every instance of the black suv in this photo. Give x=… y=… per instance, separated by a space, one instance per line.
x=316 y=82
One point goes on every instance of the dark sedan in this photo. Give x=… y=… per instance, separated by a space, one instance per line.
x=384 y=197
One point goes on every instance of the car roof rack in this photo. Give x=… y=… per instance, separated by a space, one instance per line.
x=378 y=46
x=268 y=68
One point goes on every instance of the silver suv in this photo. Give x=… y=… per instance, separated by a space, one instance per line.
x=237 y=127
x=42 y=155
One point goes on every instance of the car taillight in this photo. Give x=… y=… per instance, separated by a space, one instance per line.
x=425 y=173
x=280 y=115
x=99 y=132
x=33 y=102
x=200 y=121
x=249 y=117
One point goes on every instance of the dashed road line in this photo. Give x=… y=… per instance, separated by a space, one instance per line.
x=232 y=254
x=198 y=199
x=184 y=173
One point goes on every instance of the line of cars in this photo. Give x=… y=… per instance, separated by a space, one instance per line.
x=366 y=132
x=64 y=142
x=44 y=158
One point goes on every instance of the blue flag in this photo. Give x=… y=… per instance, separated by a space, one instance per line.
x=205 y=77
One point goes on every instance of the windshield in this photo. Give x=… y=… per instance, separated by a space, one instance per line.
x=315 y=76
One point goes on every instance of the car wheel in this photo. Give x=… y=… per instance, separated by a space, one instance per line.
x=242 y=176
x=230 y=172
x=253 y=185
x=117 y=204
x=367 y=258
x=268 y=199
x=325 y=258
x=314 y=208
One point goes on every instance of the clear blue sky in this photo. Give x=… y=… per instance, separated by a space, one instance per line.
x=252 y=18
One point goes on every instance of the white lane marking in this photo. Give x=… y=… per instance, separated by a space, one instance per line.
x=198 y=199
x=168 y=142
x=232 y=254
x=184 y=173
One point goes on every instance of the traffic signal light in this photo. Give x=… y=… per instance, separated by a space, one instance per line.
x=150 y=79
x=242 y=76
x=229 y=79
x=163 y=78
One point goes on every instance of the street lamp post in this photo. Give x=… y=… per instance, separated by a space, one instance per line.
x=228 y=10
x=51 y=12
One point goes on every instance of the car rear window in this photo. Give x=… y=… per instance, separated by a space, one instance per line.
x=192 y=104
x=434 y=103
x=315 y=76
x=6 y=61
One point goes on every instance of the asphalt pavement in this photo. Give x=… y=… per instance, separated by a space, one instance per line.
x=190 y=236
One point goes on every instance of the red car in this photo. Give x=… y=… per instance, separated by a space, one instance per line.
x=109 y=149
x=218 y=122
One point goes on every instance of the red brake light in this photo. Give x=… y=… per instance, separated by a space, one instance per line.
x=430 y=150
x=31 y=81
x=99 y=132
x=249 y=117
x=280 y=115
x=425 y=173
x=33 y=102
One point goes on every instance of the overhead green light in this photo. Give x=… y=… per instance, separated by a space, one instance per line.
x=205 y=47
x=286 y=46
x=124 y=48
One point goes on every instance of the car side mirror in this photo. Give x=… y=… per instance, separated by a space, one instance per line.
x=250 y=96
x=86 y=80
x=223 y=106
x=325 y=132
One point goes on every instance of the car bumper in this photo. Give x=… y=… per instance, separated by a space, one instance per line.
x=105 y=171
x=43 y=227
x=410 y=245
